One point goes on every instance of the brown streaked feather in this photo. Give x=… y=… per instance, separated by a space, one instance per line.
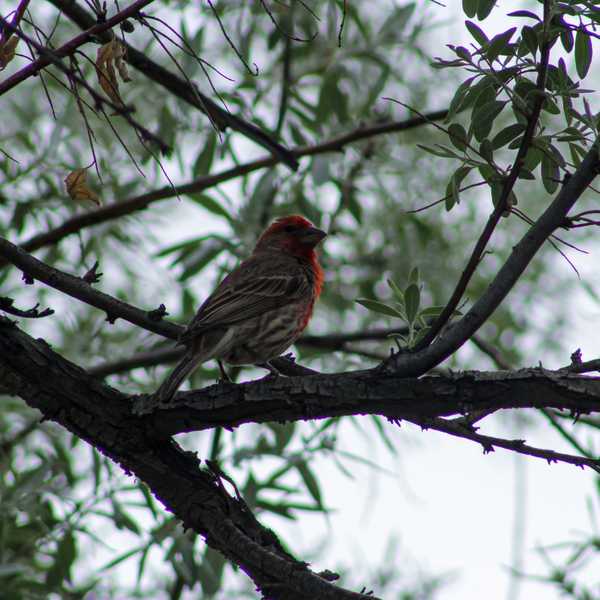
x=249 y=292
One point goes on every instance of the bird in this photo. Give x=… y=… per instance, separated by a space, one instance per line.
x=260 y=308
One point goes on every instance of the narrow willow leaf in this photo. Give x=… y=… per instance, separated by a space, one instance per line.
x=499 y=43
x=412 y=299
x=477 y=33
x=458 y=136
x=470 y=7
x=484 y=8
x=379 y=307
x=550 y=174
x=583 y=52
x=504 y=136
x=483 y=118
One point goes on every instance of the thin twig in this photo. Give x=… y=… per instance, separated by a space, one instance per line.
x=500 y=208
x=67 y=49
x=489 y=443
x=123 y=111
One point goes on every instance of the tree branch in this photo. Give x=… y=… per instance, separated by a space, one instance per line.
x=130 y=205
x=490 y=443
x=521 y=255
x=182 y=89
x=196 y=495
x=78 y=288
x=507 y=188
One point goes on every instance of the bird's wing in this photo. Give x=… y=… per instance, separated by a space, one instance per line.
x=248 y=292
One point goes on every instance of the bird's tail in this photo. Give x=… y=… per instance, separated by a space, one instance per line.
x=178 y=375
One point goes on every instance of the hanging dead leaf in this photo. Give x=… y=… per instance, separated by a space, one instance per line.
x=7 y=51
x=109 y=56
x=77 y=187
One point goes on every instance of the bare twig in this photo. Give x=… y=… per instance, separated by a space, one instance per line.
x=489 y=443
x=7 y=305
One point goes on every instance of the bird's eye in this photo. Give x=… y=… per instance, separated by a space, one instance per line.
x=289 y=228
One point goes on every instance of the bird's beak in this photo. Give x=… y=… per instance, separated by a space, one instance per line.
x=312 y=236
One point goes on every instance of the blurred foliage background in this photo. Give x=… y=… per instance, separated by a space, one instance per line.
x=306 y=73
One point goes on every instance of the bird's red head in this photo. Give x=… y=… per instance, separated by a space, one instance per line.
x=297 y=236
x=294 y=235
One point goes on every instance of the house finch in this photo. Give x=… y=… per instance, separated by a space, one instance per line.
x=260 y=308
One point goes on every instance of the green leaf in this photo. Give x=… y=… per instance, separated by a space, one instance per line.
x=414 y=275
x=431 y=311
x=394 y=25
x=583 y=52
x=310 y=481
x=504 y=136
x=122 y=519
x=550 y=174
x=484 y=8
x=200 y=258
x=458 y=136
x=452 y=194
x=66 y=553
x=566 y=38
x=486 y=150
x=483 y=118
x=524 y=13
x=477 y=33
x=398 y=293
x=412 y=299
x=379 y=307
x=499 y=43
x=459 y=99
x=529 y=38
x=210 y=204
x=205 y=158
x=470 y=7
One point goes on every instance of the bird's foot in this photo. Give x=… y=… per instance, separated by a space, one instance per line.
x=224 y=376
x=273 y=372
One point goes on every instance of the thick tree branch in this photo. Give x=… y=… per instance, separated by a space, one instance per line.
x=183 y=90
x=102 y=416
x=125 y=207
x=509 y=183
x=421 y=401
x=521 y=255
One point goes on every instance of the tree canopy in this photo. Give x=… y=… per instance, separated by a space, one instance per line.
x=143 y=148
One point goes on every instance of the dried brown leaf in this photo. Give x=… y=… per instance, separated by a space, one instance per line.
x=77 y=187
x=7 y=51
x=109 y=56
